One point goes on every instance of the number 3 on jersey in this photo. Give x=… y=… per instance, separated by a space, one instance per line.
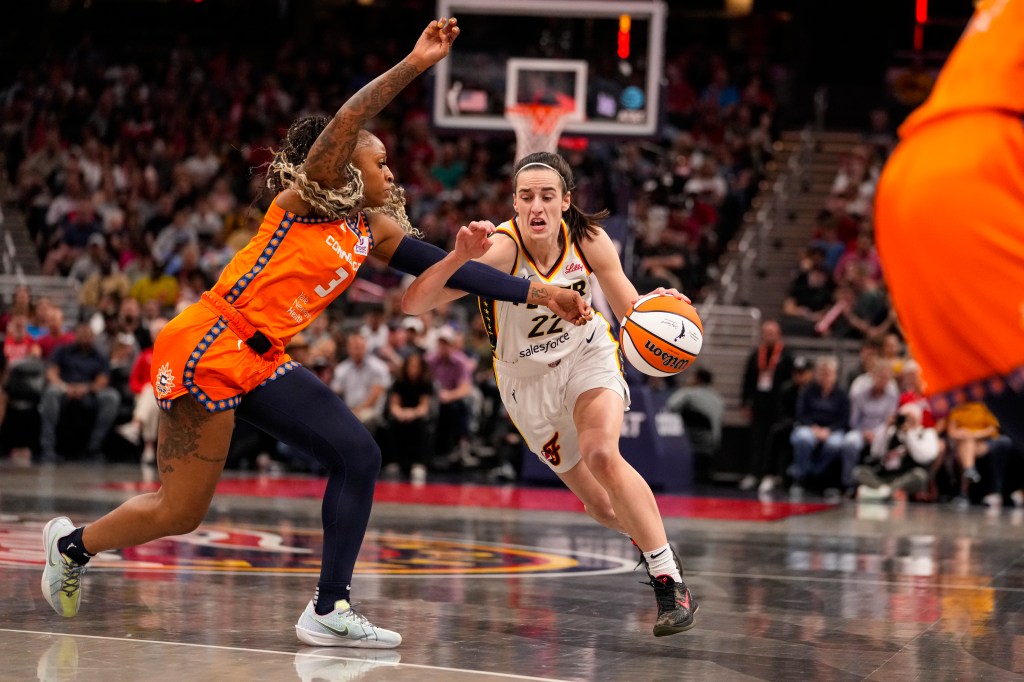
x=323 y=292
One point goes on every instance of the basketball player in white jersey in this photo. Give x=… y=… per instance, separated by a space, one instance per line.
x=563 y=385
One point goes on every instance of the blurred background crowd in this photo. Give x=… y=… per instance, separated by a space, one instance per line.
x=138 y=166
x=140 y=173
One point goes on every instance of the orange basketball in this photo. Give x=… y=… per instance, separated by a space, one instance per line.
x=661 y=335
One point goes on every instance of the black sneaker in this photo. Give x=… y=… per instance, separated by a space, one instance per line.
x=676 y=608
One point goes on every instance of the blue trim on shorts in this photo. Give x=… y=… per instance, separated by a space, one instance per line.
x=978 y=391
x=188 y=380
x=280 y=372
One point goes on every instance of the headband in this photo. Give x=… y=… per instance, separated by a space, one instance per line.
x=538 y=163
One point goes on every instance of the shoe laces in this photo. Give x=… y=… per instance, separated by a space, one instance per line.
x=664 y=594
x=70 y=577
x=357 y=617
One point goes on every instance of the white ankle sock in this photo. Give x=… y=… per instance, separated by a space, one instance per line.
x=661 y=562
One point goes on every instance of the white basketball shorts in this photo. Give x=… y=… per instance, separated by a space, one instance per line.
x=540 y=398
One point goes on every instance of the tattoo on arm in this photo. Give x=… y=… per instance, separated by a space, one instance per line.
x=538 y=294
x=332 y=150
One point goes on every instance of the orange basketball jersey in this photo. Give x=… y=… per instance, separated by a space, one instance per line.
x=952 y=194
x=284 y=277
x=985 y=69
x=292 y=269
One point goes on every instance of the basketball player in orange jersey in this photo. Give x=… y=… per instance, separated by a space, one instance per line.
x=949 y=217
x=563 y=386
x=224 y=357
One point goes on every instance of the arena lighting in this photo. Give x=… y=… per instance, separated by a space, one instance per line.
x=921 y=11
x=920 y=19
x=624 y=25
x=738 y=8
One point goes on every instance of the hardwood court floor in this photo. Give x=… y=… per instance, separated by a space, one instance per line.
x=517 y=584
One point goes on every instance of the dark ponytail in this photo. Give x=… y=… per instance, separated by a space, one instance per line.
x=581 y=225
x=297 y=141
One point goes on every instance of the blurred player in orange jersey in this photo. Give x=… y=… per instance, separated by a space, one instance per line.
x=950 y=221
x=224 y=357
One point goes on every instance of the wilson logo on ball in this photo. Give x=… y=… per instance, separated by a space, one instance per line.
x=661 y=335
x=667 y=359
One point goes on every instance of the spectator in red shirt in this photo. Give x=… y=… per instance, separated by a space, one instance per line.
x=55 y=334
x=18 y=345
x=864 y=254
x=143 y=426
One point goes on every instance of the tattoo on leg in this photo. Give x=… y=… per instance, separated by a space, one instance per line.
x=180 y=437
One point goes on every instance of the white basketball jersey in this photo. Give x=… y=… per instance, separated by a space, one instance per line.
x=530 y=333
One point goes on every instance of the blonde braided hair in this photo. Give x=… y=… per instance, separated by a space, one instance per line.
x=285 y=172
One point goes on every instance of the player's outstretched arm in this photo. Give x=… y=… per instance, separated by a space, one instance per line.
x=332 y=150
x=429 y=290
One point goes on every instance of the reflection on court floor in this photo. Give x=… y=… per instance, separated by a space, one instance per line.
x=530 y=590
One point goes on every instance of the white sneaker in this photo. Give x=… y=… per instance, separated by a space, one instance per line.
x=418 y=474
x=62 y=577
x=868 y=494
x=131 y=432
x=343 y=627
x=768 y=484
x=505 y=473
x=832 y=495
x=316 y=665
x=748 y=482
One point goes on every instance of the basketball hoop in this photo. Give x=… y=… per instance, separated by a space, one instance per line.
x=538 y=126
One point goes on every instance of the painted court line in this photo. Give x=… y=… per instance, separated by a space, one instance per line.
x=848 y=579
x=291 y=654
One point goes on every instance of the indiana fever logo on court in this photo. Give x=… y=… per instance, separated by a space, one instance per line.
x=251 y=550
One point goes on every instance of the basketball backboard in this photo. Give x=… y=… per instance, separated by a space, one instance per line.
x=601 y=58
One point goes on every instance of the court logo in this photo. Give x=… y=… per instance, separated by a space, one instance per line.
x=552 y=451
x=212 y=549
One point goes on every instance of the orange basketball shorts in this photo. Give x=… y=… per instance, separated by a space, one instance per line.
x=203 y=353
x=949 y=220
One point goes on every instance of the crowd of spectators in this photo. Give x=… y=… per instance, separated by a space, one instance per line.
x=871 y=435
x=140 y=177
x=838 y=290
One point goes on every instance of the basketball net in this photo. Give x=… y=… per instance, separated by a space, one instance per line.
x=538 y=126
